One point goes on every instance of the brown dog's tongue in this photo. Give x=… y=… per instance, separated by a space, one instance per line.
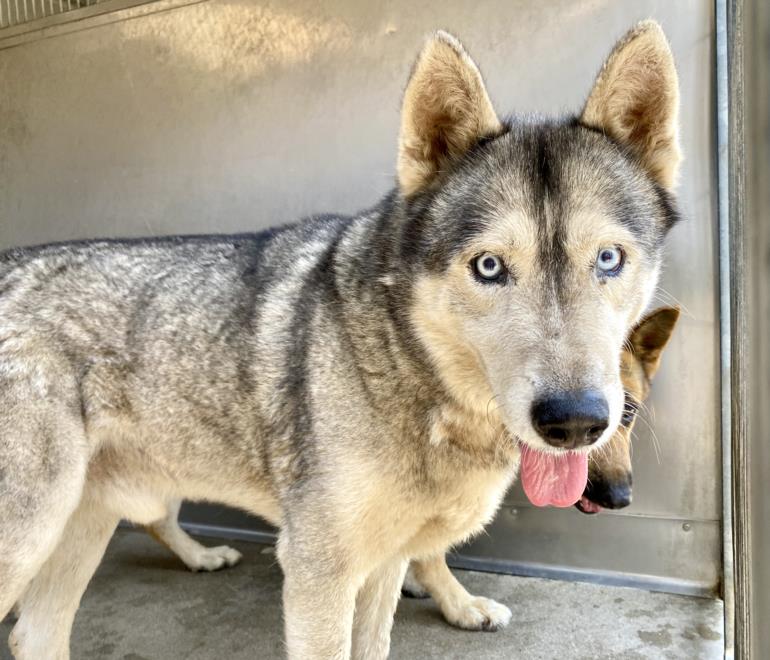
x=553 y=479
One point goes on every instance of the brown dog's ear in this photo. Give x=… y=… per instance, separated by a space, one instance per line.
x=650 y=336
x=445 y=111
x=635 y=100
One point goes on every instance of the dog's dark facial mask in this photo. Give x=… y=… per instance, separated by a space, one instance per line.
x=532 y=248
x=609 y=469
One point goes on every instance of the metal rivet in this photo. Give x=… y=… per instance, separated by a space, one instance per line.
x=514 y=511
x=687 y=526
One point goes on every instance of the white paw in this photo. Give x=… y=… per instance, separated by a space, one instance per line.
x=212 y=559
x=478 y=613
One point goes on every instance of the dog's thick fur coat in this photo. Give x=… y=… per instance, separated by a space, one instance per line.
x=335 y=377
x=609 y=487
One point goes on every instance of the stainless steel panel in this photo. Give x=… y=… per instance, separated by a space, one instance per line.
x=542 y=549
x=227 y=116
x=750 y=223
x=726 y=46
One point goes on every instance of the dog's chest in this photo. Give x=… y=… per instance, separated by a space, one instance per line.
x=469 y=468
x=455 y=513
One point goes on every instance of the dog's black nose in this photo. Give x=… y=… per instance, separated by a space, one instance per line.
x=618 y=496
x=571 y=419
x=614 y=493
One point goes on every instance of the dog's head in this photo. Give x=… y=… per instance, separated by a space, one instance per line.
x=533 y=247
x=609 y=469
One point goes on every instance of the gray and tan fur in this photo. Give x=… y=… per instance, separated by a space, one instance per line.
x=609 y=486
x=609 y=483
x=350 y=379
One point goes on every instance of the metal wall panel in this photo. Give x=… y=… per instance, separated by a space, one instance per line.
x=224 y=116
x=750 y=247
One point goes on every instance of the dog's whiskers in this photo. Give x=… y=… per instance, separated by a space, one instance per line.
x=648 y=411
x=676 y=301
x=653 y=436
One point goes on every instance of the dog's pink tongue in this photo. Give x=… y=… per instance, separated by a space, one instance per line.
x=558 y=480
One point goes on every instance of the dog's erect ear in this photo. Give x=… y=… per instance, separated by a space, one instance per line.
x=650 y=336
x=635 y=100
x=446 y=110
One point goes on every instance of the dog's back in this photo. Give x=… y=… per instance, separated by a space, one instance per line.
x=141 y=352
x=163 y=307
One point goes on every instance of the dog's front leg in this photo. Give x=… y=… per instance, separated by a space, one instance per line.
x=375 y=606
x=459 y=608
x=319 y=595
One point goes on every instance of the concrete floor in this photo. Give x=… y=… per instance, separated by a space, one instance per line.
x=142 y=604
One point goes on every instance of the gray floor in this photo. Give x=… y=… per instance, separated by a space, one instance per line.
x=143 y=604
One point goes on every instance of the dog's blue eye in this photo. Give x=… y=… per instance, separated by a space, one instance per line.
x=610 y=261
x=489 y=267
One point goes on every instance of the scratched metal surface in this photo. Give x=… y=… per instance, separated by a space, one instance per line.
x=226 y=115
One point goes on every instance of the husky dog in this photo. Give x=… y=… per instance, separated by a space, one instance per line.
x=608 y=487
x=368 y=384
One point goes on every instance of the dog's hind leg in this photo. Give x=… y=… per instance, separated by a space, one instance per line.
x=411 y=588
x=43 y=462
x=459 y=608
x=375 y=605
x=196 y=557
x=48 y=606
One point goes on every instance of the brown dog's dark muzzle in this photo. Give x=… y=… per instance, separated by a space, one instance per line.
x=606 y=494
